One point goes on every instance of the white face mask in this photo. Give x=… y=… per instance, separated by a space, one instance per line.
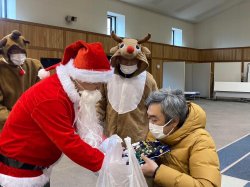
x=157 y=130
x=128 y=69
x=18 y=59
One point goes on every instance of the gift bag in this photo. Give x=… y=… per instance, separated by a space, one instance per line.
x=118 y=171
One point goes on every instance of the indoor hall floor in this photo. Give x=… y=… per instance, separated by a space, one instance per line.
x=229 y=124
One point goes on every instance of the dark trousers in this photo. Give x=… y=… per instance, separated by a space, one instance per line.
x=46 y=185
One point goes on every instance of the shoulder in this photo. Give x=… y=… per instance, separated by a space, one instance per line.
x=202 y=139
x=50 y=88
x=33 y=63
x=3 y=61
x=150 y=82
x=149 y=76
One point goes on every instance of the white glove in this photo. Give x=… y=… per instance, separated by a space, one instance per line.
x=108 y=143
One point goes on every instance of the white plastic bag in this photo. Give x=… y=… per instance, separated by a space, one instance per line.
x=115 y=172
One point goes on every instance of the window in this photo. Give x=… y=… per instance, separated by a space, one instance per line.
x=111 y=24
x=116 y=23
x=47 y=62
x=3 y=8
x=176 y=37
x=8 y=9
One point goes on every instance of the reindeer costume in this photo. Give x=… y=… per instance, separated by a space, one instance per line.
x=122 y=108
x=14 y=79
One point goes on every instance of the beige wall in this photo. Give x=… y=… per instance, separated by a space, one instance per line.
x=174 y=75
x=227 y=72
x=91 y=16
x=198 y=75
x=228 y=29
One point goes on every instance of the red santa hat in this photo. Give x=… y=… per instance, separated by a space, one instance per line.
x=83 y=61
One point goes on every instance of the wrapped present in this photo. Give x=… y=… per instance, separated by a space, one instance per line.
x=152 y=150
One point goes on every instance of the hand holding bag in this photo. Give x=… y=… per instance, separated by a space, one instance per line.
x=118 y=171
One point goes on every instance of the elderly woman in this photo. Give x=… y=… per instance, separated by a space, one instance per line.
x=193 y=160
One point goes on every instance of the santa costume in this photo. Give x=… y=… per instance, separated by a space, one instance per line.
x=41 y=125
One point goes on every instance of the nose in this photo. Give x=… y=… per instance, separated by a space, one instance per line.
x=130 y=49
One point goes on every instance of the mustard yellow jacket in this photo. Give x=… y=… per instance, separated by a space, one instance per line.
x=193 y=160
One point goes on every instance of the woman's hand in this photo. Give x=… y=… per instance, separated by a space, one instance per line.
x=149 y=167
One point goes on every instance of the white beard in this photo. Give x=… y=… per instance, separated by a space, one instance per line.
x=87 y=123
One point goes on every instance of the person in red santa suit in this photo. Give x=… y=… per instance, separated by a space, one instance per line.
x=50 y=117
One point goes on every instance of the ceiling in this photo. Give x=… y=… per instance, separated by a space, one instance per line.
x=193 y=11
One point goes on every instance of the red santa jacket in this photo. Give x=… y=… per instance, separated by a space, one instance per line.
x=40 y=128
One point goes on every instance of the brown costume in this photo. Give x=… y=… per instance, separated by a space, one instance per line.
x=122 y=108
x=14 y=79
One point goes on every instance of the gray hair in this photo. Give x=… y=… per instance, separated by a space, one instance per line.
x=173 y=103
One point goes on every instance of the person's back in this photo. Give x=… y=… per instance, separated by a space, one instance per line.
x=43 y=122
x=17 y=73
x=23 y=113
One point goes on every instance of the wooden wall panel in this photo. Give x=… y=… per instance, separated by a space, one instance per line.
x=246 y=54
x=180 y=53
x=168 y=51
x=221 y=55
x=44 y=37
x=107 y=41
x=193 y=55
x=176 y=53
x=148 y=45
x=229 y=54
x=238 y=53
x=157 y=72
x=71 y=37
x=37 y=54
x=157 y=50
x=7 y=27
x=54 y=39
x=204 y=55
x=211 y=89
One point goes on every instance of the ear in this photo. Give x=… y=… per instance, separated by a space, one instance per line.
x=1 y=51
x=145 y=50
x=26 y=42
x=3 y=42
x=175 y=121
x=114 y=49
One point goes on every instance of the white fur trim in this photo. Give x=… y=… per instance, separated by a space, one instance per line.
x=9 y=181
x=87 y=75
x=67 y=84
x=42 y=74
x=39 y=181
x=69 y=88
x=121 y=90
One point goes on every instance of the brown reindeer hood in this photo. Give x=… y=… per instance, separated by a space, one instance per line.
x=130 y=49
x=12 y=41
